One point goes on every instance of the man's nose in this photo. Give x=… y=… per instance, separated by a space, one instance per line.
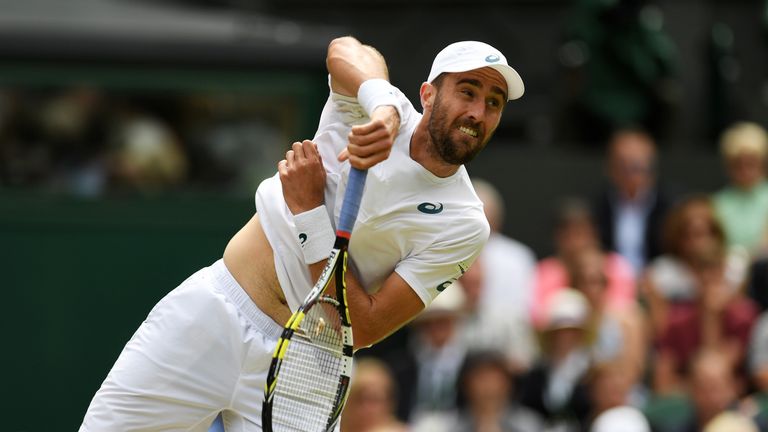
x=476 y=110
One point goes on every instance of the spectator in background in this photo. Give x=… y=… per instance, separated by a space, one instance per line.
x=555 y=386
x=758 y=354
x=371 y=403
x=730 y=422
x=712 y=389
x=508 y=279
x=485 y=404
x=426 y=368
x=617 y=334
x=757 y=403
x=742 y=206
x=494 y=329
x=621 y=419
x=575 y=232
x=148 y=155
x=693 y=294
x=630 y=209
x=609 y=388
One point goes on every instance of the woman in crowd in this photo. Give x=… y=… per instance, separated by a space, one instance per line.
x=575 y=232
x=694 y=293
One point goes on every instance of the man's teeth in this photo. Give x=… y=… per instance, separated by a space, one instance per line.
x=468 y=131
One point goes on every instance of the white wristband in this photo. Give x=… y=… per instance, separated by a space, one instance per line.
x=376 y=92
x=314 y=234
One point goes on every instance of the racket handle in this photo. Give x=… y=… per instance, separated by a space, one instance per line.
x=352 y=198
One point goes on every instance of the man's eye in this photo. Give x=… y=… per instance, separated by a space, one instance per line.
x=467 y=92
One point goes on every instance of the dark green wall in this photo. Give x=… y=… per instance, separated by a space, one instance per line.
x=79 y=276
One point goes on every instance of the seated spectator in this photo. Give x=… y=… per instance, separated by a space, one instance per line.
x=630 y=208
x=731 y=422
x=693 y=294
x=574 y=232
x=758 y=354
x=621 y=419
x=427 y=367
x=742 y=206
x=757 y=403
x=494 y=329
x=712 y=389
x=508 y=280
x=618 y=334
x=371 y=403
x=485 y=404
x=555 y=387
x=609 y=388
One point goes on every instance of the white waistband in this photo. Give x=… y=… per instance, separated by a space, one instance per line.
x=239 y=297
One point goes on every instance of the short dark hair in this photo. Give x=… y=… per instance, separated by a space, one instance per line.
x=438 y=81
x=479 y=359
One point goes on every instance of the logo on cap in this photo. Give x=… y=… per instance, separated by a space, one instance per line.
x=493 y=58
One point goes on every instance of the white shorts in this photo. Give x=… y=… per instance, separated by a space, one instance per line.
x=204 y=348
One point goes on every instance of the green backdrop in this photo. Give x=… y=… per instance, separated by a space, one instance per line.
x=79 y=276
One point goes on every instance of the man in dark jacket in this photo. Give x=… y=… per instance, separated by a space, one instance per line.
x=630 y=210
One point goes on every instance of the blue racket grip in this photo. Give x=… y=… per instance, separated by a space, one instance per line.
x=352 y=198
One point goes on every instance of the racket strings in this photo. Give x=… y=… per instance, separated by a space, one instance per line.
x=309 y=376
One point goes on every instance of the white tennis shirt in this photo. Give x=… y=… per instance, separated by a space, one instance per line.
x=426 y=228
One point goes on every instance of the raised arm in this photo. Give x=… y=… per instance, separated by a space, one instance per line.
x=360 y=71
x=350 y=63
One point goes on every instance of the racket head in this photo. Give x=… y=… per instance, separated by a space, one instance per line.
x=308 y=380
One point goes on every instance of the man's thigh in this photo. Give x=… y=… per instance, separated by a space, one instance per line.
x=179 y=369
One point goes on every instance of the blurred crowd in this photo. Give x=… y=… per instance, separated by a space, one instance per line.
x=649 y=316
x=87 y=141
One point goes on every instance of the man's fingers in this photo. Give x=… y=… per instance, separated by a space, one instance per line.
x=290 y=156
x=365 y=163
x=298 y=150
x=368 y=150
x=282 y=167
x=375 y=135
x=368 y=127
x=310 y=150
x=343 y=155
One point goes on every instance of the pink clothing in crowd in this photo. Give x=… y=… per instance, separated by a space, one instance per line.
x=552 y=276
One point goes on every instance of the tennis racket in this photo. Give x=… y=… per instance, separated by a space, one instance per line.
x=308 y=379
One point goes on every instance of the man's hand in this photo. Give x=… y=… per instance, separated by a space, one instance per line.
x=303 y=177
x=372 y=142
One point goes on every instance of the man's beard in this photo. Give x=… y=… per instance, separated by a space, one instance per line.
x=444 y=146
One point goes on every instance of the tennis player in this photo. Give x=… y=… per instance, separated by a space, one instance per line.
x=205 y=348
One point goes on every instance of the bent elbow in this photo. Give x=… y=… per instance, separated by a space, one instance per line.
x=337 y=47
x=364 y=336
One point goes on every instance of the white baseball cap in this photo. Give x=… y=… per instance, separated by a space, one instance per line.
x=567 y=308
x=621 y=419
x=469 y=55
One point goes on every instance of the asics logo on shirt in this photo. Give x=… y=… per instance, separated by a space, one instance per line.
x=302 y=239
x=430 y=208
x=462 y=268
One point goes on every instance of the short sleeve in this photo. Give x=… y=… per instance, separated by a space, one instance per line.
x=433 y=269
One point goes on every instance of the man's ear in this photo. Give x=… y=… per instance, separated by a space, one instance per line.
x=427 y=94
